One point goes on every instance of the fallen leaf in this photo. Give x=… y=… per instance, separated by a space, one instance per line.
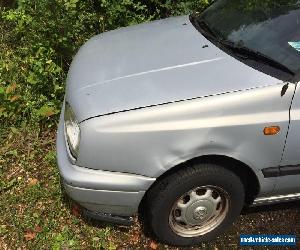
x=135 y=238
x=11 y=88
x=14 y=98
x=38 y=229
x=32 y=181
x=153 y=245
x=29 y=235
x=76 y=210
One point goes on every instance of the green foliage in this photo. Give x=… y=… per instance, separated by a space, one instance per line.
x=39 y=37
x=64 y=240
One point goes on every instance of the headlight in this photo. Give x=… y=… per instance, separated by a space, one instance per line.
x=72 y=130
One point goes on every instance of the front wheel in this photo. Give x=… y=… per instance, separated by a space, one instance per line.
x=194 y=205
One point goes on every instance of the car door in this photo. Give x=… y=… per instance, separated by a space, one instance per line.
x=289 y=174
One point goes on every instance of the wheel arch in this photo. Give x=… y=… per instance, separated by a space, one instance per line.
x=242 y=170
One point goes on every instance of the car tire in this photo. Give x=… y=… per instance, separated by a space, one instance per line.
x=194 y=204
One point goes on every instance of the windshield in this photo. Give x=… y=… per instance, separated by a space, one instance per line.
x=266 y=28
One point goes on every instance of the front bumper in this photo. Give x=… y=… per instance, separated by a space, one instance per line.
x=100 y=191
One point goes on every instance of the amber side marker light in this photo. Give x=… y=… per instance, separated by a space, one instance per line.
x=274 y=130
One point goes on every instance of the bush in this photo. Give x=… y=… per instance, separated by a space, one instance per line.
x=39 y=37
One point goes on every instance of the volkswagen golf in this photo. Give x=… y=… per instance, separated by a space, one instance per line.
x=185 y=120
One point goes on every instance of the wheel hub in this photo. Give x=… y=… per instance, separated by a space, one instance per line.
x=199 y=211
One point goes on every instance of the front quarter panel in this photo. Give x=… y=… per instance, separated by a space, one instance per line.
x=149 y=141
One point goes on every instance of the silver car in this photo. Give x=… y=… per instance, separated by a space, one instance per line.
x=185 y=120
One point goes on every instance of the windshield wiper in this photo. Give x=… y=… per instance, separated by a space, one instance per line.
x=202 y=26
x=239 y=50
x=247 y=53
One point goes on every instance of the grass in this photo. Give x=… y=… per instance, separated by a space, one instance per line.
x=34 y=212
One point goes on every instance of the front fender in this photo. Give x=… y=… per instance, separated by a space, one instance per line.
x=150 y=141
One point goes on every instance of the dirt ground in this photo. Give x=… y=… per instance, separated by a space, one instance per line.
x=273 y=219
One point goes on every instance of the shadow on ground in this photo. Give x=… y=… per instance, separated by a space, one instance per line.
x=281 y=218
